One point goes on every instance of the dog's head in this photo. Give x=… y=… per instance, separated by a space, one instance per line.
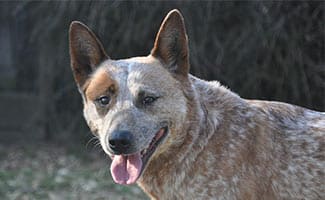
x=134 y=106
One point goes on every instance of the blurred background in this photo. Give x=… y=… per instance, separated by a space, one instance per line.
x=259 y=49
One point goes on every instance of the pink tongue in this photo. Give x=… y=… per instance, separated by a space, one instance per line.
x=126 y=169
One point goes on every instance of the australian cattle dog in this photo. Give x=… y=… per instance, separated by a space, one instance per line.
x=180 y=137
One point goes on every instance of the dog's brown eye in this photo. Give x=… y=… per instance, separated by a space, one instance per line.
x=103 y=100
x=148 y=100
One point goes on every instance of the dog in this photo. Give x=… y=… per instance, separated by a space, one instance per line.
x=180 y=137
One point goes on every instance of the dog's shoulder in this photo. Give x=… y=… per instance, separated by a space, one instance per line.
x=300 y=133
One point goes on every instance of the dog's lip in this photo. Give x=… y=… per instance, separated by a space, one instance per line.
x=160 y=135
x=146 y=153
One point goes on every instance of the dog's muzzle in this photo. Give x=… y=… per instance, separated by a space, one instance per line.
x=127 y=166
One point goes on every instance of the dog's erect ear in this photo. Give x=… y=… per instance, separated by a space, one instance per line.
x=86 y=52
x=171 y=45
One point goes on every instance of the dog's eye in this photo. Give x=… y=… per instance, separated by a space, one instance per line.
x=148 y=100
x=103 y=100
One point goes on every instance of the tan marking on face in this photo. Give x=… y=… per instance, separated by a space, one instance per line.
x=100 y=84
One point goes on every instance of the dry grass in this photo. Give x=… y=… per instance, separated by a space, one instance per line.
x=47 y=171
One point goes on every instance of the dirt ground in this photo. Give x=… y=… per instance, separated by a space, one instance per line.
x=58 y=171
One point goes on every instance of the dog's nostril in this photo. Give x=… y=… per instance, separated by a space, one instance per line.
x=111 y=143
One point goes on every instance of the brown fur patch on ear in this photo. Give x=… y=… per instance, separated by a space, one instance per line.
x=100 y=84
x=171 y=45
x=86 y=52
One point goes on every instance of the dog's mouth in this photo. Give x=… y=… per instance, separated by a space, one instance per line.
x=126 y=169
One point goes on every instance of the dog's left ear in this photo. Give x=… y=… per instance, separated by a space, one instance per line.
x=171 y=45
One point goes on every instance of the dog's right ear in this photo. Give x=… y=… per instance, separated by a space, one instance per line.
x=86 y=52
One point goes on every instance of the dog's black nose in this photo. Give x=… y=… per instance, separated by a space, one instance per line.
x=120 y=142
